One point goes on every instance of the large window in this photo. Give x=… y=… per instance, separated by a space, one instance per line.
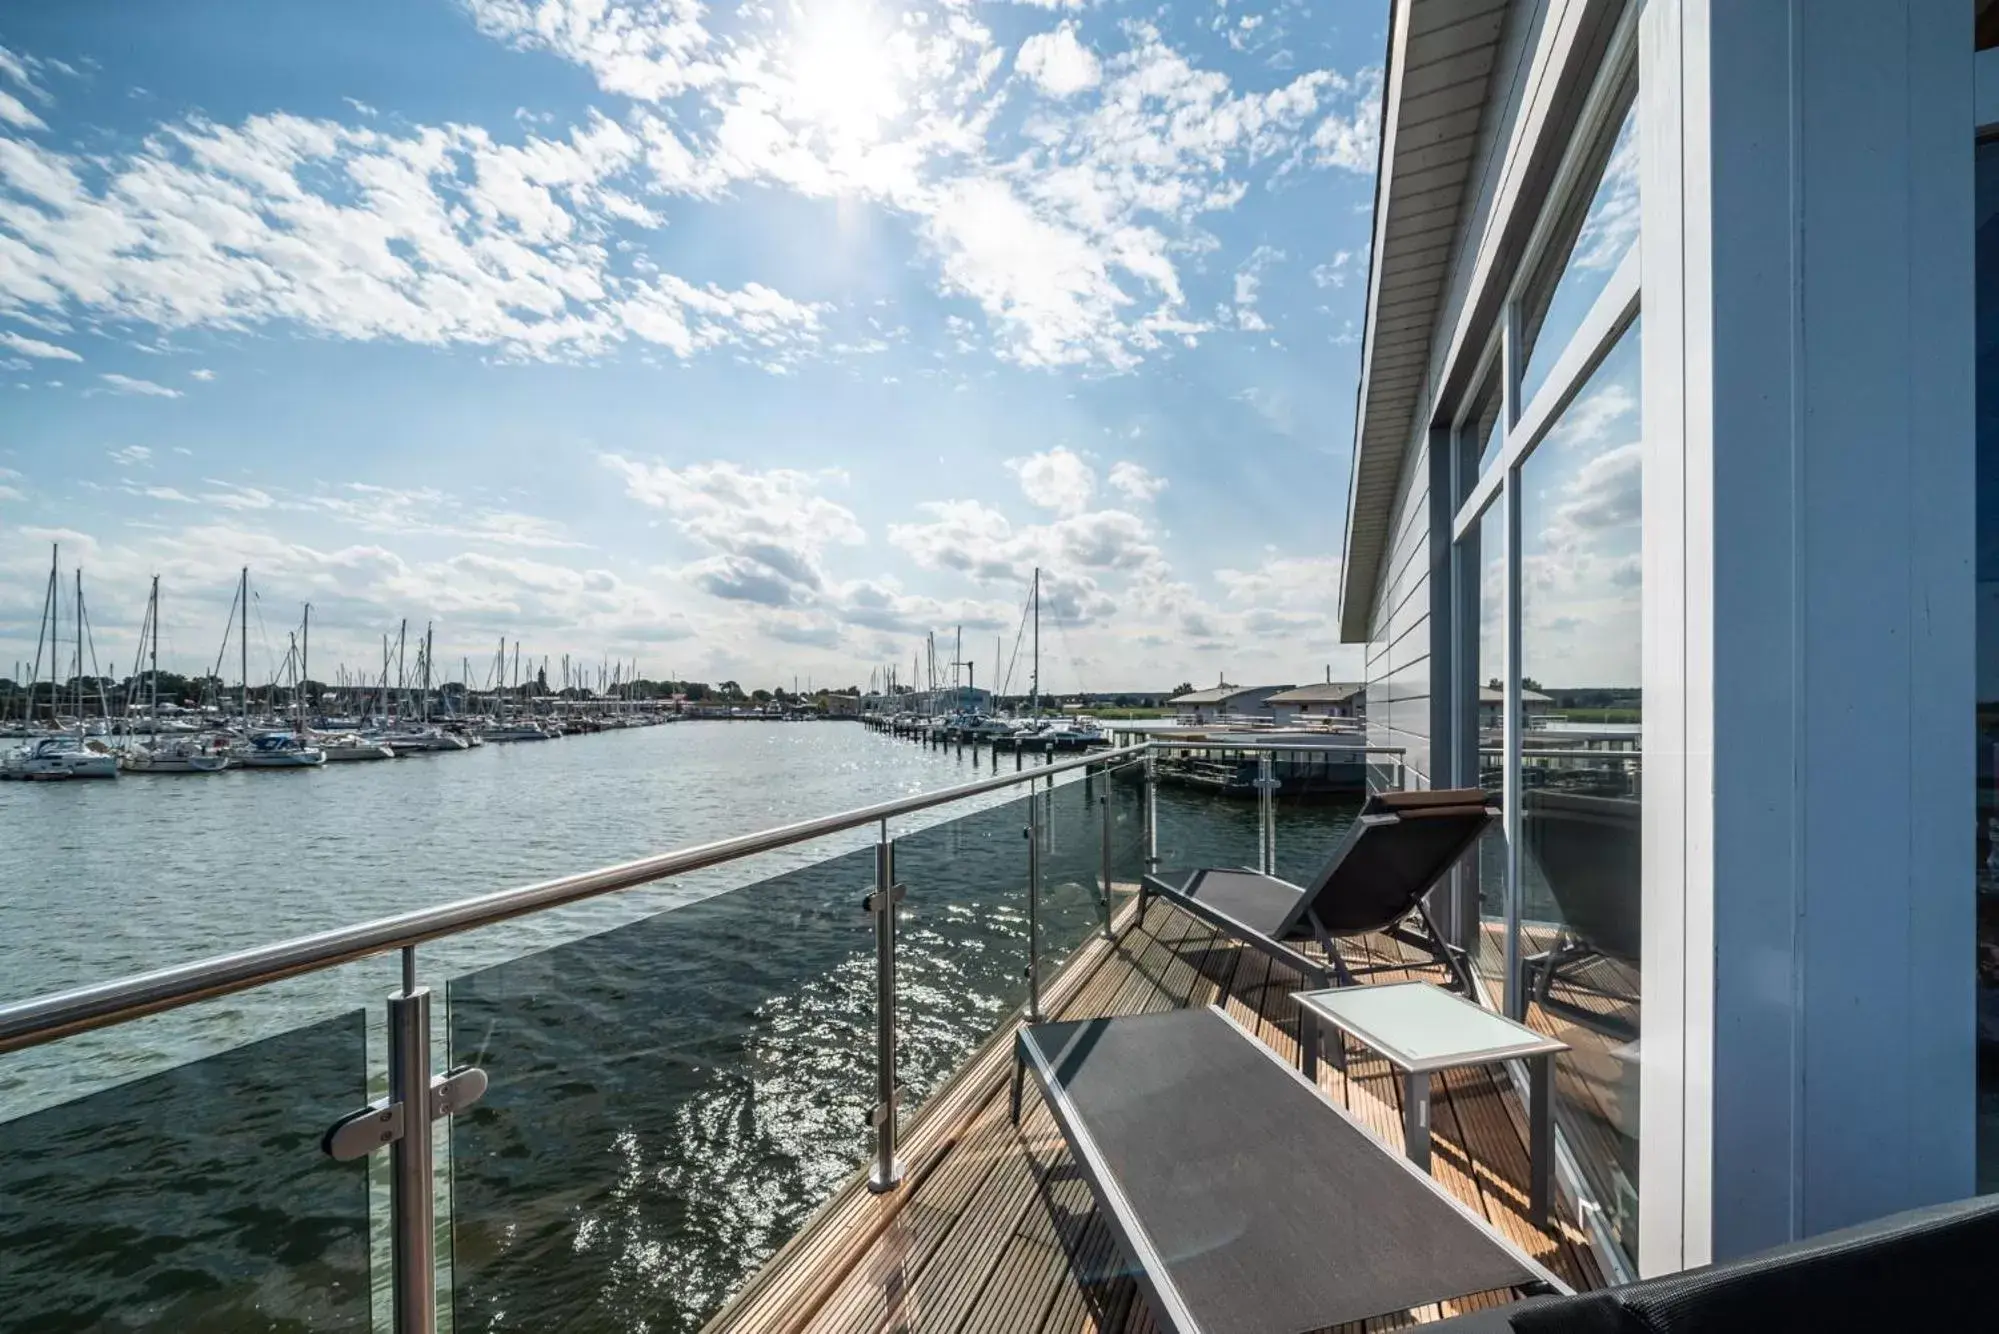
x=1578 y=777
x=1551 y=629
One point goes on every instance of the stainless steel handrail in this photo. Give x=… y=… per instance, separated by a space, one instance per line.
x=44 y=1019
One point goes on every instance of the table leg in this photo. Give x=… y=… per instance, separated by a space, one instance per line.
x=1541 y=1137
x=1416 y=1118
x=1308 y=1044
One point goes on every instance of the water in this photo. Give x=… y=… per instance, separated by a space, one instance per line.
x=673 y=1091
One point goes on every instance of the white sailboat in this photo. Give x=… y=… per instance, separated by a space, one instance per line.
x=274 y=750
x=182 y=754
x=67 y=755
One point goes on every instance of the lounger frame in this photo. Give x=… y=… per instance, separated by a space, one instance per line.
x=1168 y=1308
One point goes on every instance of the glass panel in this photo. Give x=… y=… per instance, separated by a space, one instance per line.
x=1127 y=829
x=1583 y=253
x=1988 y=659
x=669 y=1101
x=1488 y=545
x=672 y=1099
x=1310 y=827
x=1580 y=781
x=1072 y=848
x=1484 y=430
x=193 y=1199
x=1207 y=809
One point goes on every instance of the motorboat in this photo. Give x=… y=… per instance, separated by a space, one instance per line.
x=179 y=756
x=514 y=732
x=349 y=746
x=421 y=740
x=278 y=750
x=59 y=758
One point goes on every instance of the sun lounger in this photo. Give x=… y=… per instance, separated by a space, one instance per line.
x=1398 y=848
x=1249 y=1202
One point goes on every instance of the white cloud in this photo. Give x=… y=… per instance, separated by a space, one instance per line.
x=1058 y=63
x=131 y=456
x=361 y=108
x=1352 y=142
x=1069 y=243
x=435 y=235
x=767 y=531
x=1056 y=479
x=10 y=493
x=1334 y=272
x=1135 y=481
x=203 y=374
x=126 y=384
x=15 y=113
x=35 y=347
x=1248 y=282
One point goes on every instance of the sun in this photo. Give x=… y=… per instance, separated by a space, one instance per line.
x=842 y=68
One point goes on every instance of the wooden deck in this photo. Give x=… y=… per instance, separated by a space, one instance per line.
x=994 y=1232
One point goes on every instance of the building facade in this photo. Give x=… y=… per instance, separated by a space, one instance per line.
x=1332 y=700
x=1225 y=702
x=1670 y=392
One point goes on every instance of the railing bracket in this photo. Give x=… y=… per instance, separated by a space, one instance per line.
x=381 y=1123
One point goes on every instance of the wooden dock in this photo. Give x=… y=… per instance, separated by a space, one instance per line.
x=993 y=1230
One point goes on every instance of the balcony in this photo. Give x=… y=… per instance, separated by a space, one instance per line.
x=690 y=1105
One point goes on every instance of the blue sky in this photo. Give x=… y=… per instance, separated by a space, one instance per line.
x=747 y=343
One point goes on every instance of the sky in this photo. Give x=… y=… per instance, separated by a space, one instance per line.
x=746 y=344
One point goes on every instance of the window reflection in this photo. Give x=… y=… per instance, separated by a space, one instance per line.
x=1580 y=768
x=1487 y=543
x=1583 y=254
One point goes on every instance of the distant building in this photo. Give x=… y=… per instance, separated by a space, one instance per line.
x=1331 y=699
x=1226 y=701
x=1492 y=705
x=843 y=706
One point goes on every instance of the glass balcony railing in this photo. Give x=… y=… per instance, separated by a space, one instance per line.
x=614 y=1131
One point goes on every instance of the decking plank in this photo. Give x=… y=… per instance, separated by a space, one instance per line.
x=995 y=1232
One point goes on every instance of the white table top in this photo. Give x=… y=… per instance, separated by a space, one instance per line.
x=1421 y=1027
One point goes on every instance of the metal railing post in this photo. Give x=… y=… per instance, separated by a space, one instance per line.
x=1266 y=810
x=411 y=1218
x=1151 y=812
x=886 y=1174
x=1104 y=852
x=1033 y=832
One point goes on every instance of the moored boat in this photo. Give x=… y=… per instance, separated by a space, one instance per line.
x=59 y=758
x=278 y=750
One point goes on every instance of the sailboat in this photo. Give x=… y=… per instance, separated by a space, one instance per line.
x=62 y=756
x=277 y=749
x=183 y=754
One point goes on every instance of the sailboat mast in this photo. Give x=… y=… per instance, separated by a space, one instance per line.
x=304 y=661
x=155 y=660
x=79 y=649
x=429 y=644
x=1034 y=686
x=54 y=612
x=243 y=645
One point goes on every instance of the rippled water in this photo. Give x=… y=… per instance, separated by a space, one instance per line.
x=673 y=1092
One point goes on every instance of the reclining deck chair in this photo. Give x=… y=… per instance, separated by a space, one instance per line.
x=1248 y=1201
x=1398 y=848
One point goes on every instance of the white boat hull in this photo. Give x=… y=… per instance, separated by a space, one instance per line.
x=142 y=763
x=347 y=754
x=289 y=759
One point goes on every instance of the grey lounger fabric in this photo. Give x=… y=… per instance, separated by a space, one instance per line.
x=1249 y=1202
x=1397 y=849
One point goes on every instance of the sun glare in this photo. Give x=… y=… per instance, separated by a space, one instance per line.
x=843 y=71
